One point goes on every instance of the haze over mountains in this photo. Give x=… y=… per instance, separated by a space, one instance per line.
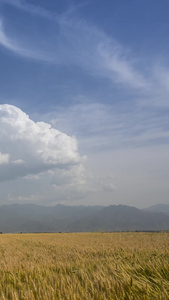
x=61 y=218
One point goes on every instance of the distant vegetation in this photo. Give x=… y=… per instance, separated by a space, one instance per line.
x=88 y=266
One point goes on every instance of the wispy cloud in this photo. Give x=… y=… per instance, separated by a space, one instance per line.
x=76 y=43
x=29 y=8
x=120 y=69
x=12 y=44
x=40 y=11
x=107 y=127
x=99 y=54
x=6 y=42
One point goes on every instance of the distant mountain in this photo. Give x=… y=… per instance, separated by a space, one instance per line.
x=36 y=218
x=164 y=208
x=121 y=218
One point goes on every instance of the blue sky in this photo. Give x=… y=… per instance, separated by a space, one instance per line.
x=84 y=103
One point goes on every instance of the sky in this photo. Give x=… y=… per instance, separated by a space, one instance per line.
x=84 y=102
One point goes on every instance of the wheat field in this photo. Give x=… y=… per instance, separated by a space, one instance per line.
x=84 y=266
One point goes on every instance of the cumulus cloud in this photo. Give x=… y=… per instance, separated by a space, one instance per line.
x=30 y=148
x=39 y=163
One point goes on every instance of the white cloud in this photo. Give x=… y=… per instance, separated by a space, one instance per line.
x=4 y=158
x=33 y=198
x=18 y=161
x=33 y=148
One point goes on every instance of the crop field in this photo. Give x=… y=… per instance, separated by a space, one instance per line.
x=84 y=266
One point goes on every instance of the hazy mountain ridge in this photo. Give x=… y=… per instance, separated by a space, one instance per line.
x=37 y=218
x=164 y=208
x=122 y=218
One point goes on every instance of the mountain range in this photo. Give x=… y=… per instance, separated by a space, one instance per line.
x=61 y=218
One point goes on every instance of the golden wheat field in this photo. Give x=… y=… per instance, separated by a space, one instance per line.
x=84 y=266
